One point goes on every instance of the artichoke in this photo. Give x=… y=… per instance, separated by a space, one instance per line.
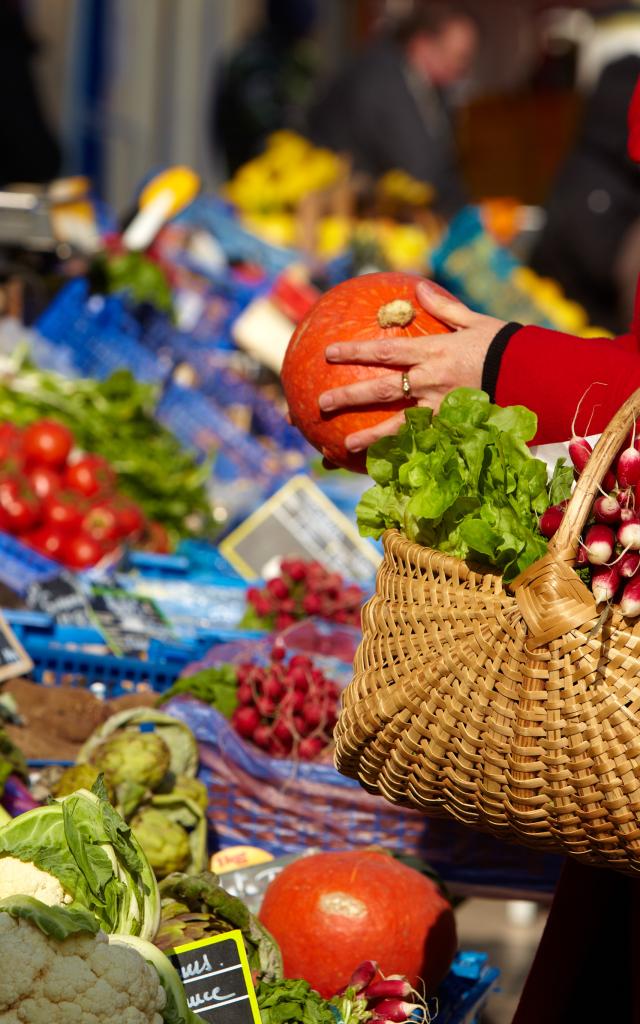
x=195 y=907
x=130 y=756
x=77 y=776
x=165 y=842
x=187 y=788
x=178 y=736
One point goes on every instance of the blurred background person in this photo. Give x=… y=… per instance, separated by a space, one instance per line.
x=591 y=239
x=30 y=152
x=389 y=107
x=267 y=83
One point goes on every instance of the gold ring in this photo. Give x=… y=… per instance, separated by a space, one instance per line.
x=406 y=384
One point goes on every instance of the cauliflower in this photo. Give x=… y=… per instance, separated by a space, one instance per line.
x=24 y=877
x=80 y=978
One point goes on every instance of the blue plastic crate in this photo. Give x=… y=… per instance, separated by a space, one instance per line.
x=100 y=334
x=20 y=567
x=201 y=425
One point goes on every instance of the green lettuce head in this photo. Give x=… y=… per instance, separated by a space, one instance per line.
x=79 y=850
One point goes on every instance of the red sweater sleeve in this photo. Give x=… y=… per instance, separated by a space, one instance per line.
x=549 y=372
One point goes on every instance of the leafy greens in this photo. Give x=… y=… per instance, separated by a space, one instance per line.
x=464 y=482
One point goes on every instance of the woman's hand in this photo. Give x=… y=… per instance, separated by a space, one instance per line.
x=434 y=364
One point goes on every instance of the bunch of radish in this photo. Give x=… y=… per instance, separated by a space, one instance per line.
x=378 y=999
x=610 y=544
x=288 y=710
x=303 y=589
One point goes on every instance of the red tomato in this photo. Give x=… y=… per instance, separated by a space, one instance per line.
x=101 y=523
x=80 y=551
x=130 y=517
x=47 y=443
x=20 y=507
x=90 y=475
x=46 y=539
x=10 y=441
x=64 y=510
x=45 y=481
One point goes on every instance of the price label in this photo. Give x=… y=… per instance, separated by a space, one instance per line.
x=216 y=977
x=300 y=520
x=14 y=660
x=128 y=622
x=62 y=599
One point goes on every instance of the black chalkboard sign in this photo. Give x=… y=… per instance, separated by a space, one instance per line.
x=128 y=621
x=216 y=977
x=14 y=660
x=300 y=520
x=62 y=598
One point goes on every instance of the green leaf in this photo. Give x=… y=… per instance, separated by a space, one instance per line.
x=561 y=482
x=463 y=482
x=55 y=922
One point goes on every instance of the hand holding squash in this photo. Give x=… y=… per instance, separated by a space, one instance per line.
x=423 y=368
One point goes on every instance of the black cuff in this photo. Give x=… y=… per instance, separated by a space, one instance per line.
x=493 y=358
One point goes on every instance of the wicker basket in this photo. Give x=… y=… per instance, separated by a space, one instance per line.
x=513 y=708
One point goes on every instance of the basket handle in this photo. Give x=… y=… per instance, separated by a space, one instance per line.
x=564 y=543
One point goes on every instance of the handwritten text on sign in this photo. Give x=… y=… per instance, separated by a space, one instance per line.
x=216 y=977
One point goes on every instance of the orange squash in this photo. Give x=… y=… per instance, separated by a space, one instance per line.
x=362 y=308
x=331 y=911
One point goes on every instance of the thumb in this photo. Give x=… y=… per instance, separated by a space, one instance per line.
x=444 y=307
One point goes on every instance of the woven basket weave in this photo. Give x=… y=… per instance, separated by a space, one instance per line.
x=513 y=708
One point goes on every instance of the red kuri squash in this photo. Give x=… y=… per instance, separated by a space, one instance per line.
x=370 y=306
x=330 y=911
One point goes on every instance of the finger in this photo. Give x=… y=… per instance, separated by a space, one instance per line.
x=382 y=351
x=444 y=308
x=363 y=392
x=363 y=438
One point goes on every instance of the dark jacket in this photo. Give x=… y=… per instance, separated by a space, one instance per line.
x=595 y=200
x=380 y=114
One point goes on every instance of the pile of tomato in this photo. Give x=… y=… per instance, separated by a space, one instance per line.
x=62 y=502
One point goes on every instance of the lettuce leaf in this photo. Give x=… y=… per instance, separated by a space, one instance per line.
x=464 y=482
x=85 y=844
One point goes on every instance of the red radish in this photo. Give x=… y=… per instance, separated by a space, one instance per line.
x=627 y=515
x=629 y=534
x=606 y=508
x=579 y=447
x=628 y=564
x=310 y=747
x=362 y=977
x=630 y=601
x=604 y=583
x=628 y=467
x=262 y=736
x=315 y=714
x=245 y=694
x=582 y=558
x=551 y=519
x=273 y=688
x=626 y=499
x=599 y=543
x=396 y=1010
x=389 y=988
x=579 y=452
x=246 y=720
